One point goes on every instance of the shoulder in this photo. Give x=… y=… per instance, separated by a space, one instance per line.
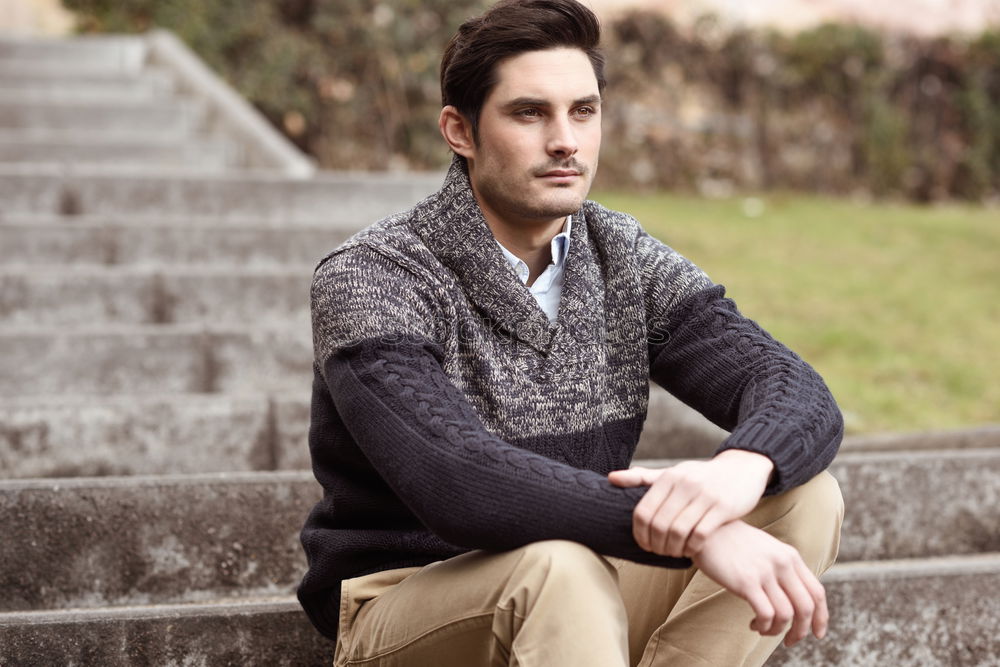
x=383 y=269
x=386 y=251
x=621 y=228
x=373 y=287
x=667 y=276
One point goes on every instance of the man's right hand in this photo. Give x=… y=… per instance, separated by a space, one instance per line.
x=768 y=574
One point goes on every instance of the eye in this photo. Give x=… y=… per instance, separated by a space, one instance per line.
x=585 y=111
x=528 y=113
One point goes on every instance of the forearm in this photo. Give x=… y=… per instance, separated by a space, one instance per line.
x=467 y=486
x=731 y=370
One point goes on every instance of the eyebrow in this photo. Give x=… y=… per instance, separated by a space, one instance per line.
x=538 y=102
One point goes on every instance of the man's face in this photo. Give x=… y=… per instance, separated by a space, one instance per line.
x=539 y=138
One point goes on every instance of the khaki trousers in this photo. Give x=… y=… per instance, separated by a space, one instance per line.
x=557 y=603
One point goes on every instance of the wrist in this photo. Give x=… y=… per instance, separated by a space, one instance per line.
x=756 y=464
x=721 y=536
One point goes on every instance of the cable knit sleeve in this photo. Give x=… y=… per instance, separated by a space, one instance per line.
x=375 y=329
x=707 y=354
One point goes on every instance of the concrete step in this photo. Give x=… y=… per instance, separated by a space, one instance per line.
x=905 y=614
x=107 y=116
x=115 y=136
x=154 y=359
x=160 y=524
x=148 y=83
x=72 y=436
x=119 y=51
x=72 y=77
x=273 y=632
x=37 y=93
x=112 y=150
x=80 y=241
x=51 y=70
x=333 y=198
x=128 y=295
x=69 y=435
x=143 y=540
x=975 y=437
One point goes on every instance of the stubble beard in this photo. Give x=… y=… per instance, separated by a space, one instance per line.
x=503 y=198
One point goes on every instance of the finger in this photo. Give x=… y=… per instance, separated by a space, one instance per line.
x=783 y=611
x=666 y=514
x=712 y=520
x=821 y=617
x=637 y=476
x=803 y=604
x=646 y=509
x=680 y=530
x=762 y=608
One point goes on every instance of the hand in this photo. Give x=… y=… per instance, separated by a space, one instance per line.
x=768 y=574
x=687 y=502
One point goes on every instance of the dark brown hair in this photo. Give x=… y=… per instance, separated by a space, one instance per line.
x=509 y=28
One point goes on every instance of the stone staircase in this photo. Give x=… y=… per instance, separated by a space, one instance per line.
x=156 y=245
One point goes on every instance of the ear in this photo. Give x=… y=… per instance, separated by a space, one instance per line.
x=456 y=131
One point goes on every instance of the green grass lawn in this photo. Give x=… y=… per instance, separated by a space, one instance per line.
x=897 y=306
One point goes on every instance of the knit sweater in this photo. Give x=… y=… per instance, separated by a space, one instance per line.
x=449 y=414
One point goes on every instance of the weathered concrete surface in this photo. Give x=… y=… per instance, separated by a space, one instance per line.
x=71 y=436
x=96 y=508
x=916 y=504
x=43 y=93
x=260 y=145
x=355 y=199
x=673 y=430
x=157 y=243
x=155 y=359
x=974 y=437
x=908 y=615
x=115 y=53
x=34 y=75
x=129 y=295
x=251 y=633
x=910 y=504
x=135 y=115
x=112 y=150
x=140 y=540
x=899 y=614
x=48 y=70
x=60 y=435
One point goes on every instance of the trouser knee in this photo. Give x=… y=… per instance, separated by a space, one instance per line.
x=562 y=605
x=565 y=561
x=809 y=518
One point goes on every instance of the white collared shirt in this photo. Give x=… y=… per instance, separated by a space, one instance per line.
x=547 y=287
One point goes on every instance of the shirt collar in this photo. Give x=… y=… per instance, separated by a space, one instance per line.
x=559 y=248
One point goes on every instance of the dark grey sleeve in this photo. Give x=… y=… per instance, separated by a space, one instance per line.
x=727 y=367
x=467 y=486
x=706 y=353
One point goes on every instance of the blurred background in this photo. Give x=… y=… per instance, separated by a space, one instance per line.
x=171 y=171
x=835 y=162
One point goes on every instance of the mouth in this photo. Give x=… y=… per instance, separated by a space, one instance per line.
x=560 y=175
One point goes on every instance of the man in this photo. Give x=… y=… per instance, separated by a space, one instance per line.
x=481 y=379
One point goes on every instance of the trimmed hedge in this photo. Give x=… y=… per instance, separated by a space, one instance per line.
x=836 y=109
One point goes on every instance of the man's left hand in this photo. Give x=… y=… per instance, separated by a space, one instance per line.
x=687 y=502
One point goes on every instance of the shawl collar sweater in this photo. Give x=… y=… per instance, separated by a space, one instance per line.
x=450 y=414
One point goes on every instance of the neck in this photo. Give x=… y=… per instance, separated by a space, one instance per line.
x=530 y=240
x=531 y=244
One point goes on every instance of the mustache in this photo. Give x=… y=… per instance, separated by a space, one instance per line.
x=571 y=164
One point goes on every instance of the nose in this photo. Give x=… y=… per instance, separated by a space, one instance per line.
x=562 y=141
